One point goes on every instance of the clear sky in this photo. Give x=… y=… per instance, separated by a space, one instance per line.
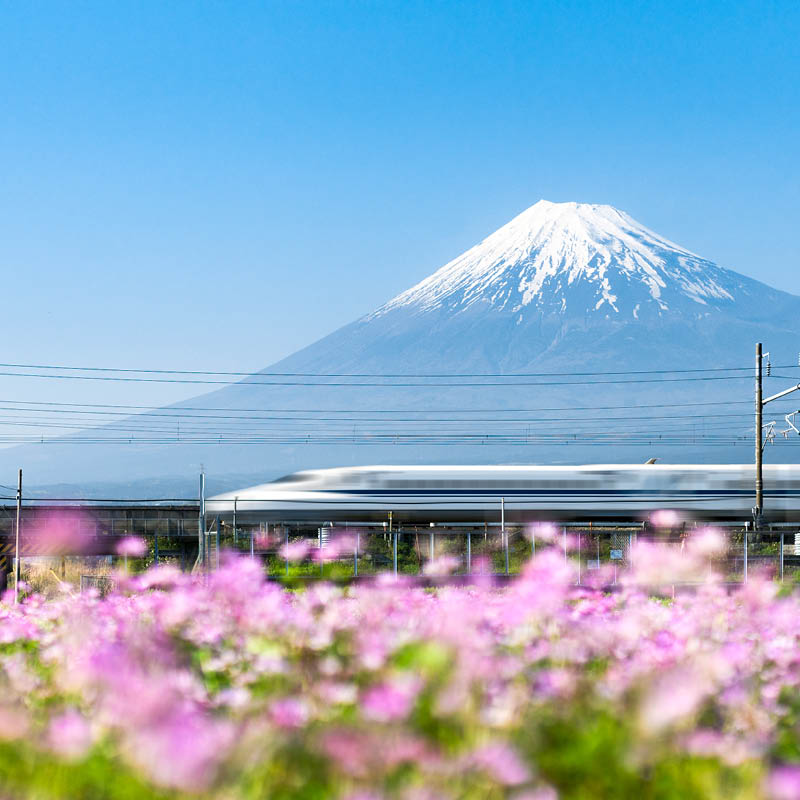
x=214 y=184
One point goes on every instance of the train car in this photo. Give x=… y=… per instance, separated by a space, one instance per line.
x=474 y=493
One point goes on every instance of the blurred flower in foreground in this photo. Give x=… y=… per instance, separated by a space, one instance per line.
x=673 y=696
x=63 y=531
x=333 y=549
x=132 y=546
x=502 y=763
x=295 y=551
x=443 y=565
x=227 y=685
x=289 y=712
x=69 y=735
x=784 y=783
x=544 y=532
x=665 y=518
x=390 y=700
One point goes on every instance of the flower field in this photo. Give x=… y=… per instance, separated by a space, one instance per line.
x=228 y=686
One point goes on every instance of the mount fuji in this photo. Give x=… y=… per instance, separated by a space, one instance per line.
x=564 y=285
x=561 y=288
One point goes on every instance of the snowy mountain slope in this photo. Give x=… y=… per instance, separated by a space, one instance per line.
x=563 y=287
x=547 y=251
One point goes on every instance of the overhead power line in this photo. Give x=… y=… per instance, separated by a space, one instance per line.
x=152 y=371
x=495 y=410
x=403 y=438
x=367 y=416
x=509 y=383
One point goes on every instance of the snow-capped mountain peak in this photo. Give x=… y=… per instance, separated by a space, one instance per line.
x=558 y=255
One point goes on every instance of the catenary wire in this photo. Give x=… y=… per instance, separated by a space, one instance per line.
x=409 y=384
x=383 y=374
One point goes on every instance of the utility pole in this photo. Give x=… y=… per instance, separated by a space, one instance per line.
x=759 y=440
x=18 y=567
x=201 y=524
x=760 y=403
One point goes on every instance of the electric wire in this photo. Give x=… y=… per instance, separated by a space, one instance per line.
x=372 y=384
x=382 y=374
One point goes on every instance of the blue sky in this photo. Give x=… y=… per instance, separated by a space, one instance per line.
x=213 y=185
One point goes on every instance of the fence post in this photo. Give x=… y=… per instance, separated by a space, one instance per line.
x=745 y=555
x=469 y=552
x=201 y=523
x=235 y=530
x=355 y=555
x=394 y=551
x=218 y=524
x=781 y=556
x=503 y=535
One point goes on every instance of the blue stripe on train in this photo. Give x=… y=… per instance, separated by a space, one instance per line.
x=565 y=492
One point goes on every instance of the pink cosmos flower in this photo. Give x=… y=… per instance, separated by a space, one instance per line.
x=69 y=735
x=389 y=701
x=501 y=761
x=784 y=783
x=63 y=531
x=289 y=712
x=350 y=750
x=132 y=546
x=295 y=551
x=675 y=695
x=665 y=518
x=444 y=565
x=543 y=532
x=182 y=750
x=333 y=549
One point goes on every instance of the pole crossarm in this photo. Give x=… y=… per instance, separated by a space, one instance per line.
x=780 y=394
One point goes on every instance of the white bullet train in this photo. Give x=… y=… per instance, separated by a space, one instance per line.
x=474 y=493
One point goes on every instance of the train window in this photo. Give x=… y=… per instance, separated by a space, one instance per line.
x=486 y=485
x=350 y=479
x=294 y=477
